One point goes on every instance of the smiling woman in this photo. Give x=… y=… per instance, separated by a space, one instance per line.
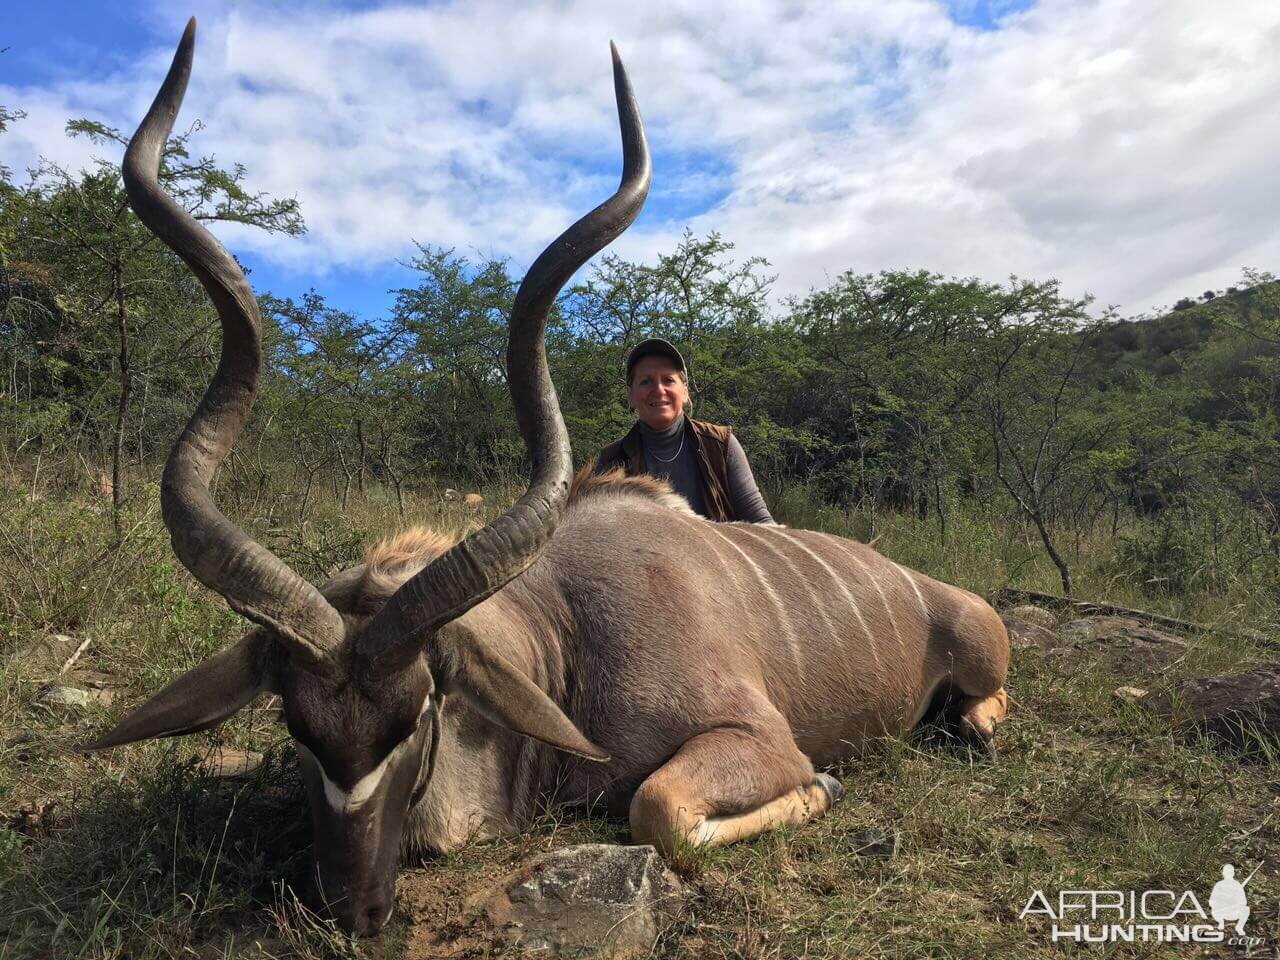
x=704 y=462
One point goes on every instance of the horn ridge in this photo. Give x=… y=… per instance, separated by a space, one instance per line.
x=491 y=557
x=255 y=582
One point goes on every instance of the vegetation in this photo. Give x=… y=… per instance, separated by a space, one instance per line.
x=989 y=434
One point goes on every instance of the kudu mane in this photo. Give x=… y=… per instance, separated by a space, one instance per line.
x=390 y=562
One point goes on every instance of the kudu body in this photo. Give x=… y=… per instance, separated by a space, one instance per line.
x=716 y=663
x=690 y=672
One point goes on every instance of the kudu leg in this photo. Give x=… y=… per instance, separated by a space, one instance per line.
x=728 y=785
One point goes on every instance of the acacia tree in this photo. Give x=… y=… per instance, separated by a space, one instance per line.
x=135 y=308
x=1038 y=402
x=454 y=342
x=335 y=365
x=891 y=379
x=1247 y=433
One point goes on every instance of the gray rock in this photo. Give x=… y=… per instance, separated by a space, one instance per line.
x=1135 y=648
x=1030 y=613
x=1128 y=646
x=596 y=899
x=1024 y=634
x=1076 y=632
x=876 y=842
x=1237 y=708
x=74 y=698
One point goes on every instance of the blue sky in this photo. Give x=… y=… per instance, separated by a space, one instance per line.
x=1122 y=147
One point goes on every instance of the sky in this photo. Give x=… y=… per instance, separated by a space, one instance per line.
x=1126 y=147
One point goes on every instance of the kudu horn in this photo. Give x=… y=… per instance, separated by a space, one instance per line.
x=255 y=582
x=491 y=557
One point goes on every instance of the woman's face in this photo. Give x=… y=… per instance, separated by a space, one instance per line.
x=658 y=391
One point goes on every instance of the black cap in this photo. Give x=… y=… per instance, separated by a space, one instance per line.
x=645 y=348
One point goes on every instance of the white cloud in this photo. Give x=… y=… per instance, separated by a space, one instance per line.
x=1124 y=147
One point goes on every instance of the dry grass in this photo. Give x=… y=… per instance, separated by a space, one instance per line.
x=143 y=855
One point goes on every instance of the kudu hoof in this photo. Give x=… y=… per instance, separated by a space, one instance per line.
x=831 y=787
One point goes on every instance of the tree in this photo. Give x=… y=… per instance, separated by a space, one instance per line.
x=1039 y=406
x=113 y=275
x=455 y=337
x=333 y=369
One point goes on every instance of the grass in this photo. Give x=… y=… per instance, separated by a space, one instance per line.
x=140 y=854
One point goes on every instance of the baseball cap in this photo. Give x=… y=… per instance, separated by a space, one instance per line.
x=645 y=348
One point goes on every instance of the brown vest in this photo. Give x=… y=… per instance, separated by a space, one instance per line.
x=711 y=453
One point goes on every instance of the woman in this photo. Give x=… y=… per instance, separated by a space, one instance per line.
x=703 y=462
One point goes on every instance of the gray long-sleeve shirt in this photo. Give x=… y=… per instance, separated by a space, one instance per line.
x=669 y=454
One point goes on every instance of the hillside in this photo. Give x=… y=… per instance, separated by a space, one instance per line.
x=1163 y=345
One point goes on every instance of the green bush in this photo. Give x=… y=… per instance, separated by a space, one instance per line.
x=1163 y=558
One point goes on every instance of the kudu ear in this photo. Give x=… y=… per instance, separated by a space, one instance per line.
x=506 y=696
x=199 y=699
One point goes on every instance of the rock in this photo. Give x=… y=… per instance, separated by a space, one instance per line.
x=1024 y=634
x=1135 y=647
x=1076 y=632
x=1131 y=694
x=1127 y=645
x=596 y=899
x=76 y=698
x=1236 y=707
x=449 y=494
x=1029 y=613
x=227 y=763
x=473 y=499
x=876 y=842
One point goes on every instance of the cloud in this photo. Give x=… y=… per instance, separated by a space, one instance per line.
x=1124 y=148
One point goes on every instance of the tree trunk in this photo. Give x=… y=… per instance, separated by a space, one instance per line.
x=1058 y=562
x=122 y=409
x=360 y=467
x=142 y=422
x=310 y=471
x=941 y=510
x=346 y=478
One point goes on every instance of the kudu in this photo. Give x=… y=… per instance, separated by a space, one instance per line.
x=688 y=671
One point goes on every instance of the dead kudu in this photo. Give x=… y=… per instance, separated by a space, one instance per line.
x=688 y=671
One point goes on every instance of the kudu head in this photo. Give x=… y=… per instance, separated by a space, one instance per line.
x=361 y=689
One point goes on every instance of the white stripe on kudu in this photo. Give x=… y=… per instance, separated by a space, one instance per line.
x=792 y=640
x=818 y=605
x=348 y=801
x=847 y=547
x=924 y=607
x=848 y=596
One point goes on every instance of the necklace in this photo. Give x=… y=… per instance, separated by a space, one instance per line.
x=677 y=453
